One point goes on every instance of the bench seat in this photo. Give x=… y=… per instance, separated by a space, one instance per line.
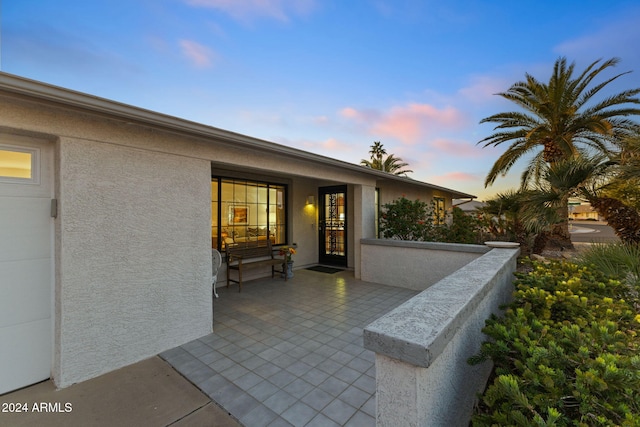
x=250 y=255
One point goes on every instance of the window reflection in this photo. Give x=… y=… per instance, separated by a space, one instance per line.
x=247 y=211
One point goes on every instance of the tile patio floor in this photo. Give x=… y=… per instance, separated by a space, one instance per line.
x=290 y=353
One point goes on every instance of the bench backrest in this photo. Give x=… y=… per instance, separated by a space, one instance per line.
x=257 y=249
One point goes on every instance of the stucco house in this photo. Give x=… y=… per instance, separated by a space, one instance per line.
x=108 y=214
x=583 y=211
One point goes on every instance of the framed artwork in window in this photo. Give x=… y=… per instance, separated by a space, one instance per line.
x=238 y=214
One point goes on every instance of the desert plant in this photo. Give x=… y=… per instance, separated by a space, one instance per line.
x=565 y=352
x=615 y=259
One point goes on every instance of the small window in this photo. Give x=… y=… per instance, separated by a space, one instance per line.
x=439 y=210
x=18 y=165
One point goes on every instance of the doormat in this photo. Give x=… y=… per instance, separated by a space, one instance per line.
x=323 y=269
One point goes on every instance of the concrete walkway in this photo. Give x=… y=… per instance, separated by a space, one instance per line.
x=290 y=353
x=148 y=393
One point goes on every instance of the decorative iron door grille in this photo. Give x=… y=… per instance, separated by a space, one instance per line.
x=333 y=225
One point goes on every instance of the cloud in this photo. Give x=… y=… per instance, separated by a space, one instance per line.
x=248 y=10
x=482 y=89
x=199 y=55
x=408 y=123
x=457 y=148
x=620 y=37
x=460 y=176
x=327 y=147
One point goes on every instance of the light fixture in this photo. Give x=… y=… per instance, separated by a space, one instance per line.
x=311 y=200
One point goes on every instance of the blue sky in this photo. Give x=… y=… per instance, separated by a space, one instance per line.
x=326 y=76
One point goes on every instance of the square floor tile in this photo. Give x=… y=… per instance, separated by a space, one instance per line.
x=315 y=376
x=333 y=386
x=354 y=397
x=280 y=402
x=317 y=399
x=299 y=414
x=259 y=416
x=339 y=411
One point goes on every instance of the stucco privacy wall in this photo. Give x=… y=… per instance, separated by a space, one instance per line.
x=413 y=265
x=133 y=268
x=422 y=346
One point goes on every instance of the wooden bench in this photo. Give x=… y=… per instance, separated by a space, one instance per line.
x=248 y=255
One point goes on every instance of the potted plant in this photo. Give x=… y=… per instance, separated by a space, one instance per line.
x=287 y=267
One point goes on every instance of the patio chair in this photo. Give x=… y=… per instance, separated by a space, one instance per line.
x=216 y=260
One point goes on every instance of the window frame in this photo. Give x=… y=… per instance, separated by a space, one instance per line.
x=35 y=165
x=226 y=210
x=439 y=210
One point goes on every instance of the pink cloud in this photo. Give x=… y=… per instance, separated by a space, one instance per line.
x=409 y=123
x=246 y=10
x=199 y=55
x=483 y=89
x=457 y=177
x=457 y=148
x=327 y=147
x=362 y=116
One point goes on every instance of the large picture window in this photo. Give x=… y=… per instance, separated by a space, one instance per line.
x=247 y=211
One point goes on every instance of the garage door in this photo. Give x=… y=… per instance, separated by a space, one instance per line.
x=26 y=248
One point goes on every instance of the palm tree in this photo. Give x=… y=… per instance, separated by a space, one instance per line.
x=377 y=151
x=390 y=164
x=589 y=178
x=560 y=120
x=508 y=215
x=503 y=213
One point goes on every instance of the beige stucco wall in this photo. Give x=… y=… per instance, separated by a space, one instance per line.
x=422 y=346
x=392 y=190
x=304 y=224
x=413 y=265
x=134 y=269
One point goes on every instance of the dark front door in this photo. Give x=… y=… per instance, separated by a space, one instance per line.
x=333 y=225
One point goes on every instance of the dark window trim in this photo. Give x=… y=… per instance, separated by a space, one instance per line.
x=256 y=181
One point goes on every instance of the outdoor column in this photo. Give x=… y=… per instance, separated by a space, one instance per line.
x=363 y=224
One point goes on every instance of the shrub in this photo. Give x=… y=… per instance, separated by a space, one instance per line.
x=463 y=228
x=565 y=353
x=616 y=259
x=406 y=219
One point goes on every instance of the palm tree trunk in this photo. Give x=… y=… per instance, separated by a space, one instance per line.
x=560 y=237
x=540 y=242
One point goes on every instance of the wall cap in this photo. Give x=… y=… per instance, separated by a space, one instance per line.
x=439 y=246
x=417 y=331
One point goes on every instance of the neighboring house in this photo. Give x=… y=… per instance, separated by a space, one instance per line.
x=583 y=212
x=468 y=206
x=108 y=214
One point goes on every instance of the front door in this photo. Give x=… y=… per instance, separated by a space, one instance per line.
x=333 y=225
x=26 y=233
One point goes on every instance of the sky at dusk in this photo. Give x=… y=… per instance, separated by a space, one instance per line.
x=326 y=76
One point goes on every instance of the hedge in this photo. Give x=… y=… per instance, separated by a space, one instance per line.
x=565 y=352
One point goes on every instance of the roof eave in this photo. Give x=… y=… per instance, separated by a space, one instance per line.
x=42 y=91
